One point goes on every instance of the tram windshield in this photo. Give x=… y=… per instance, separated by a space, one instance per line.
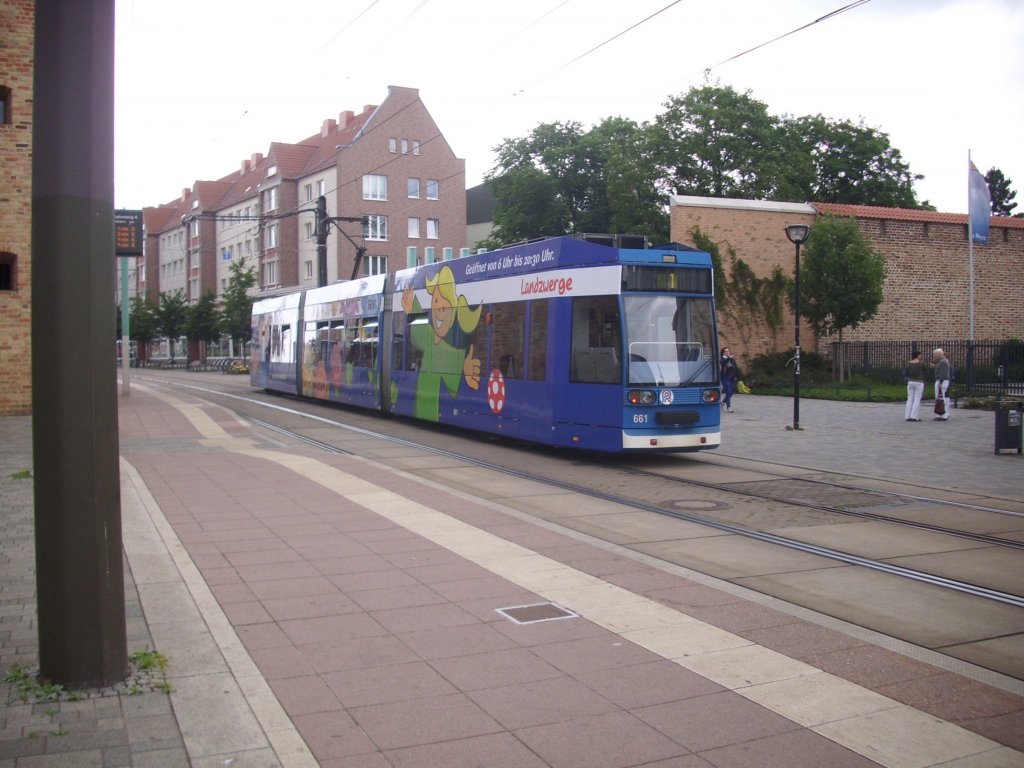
x=670 y=340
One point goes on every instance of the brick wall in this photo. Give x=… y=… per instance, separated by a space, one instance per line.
x=927 y=283
x=17 y=25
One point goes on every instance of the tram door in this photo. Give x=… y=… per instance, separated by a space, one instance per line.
x=592 y=396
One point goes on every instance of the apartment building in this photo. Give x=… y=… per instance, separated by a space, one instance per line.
x=392 y=185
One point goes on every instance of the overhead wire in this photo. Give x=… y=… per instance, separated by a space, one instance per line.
x=831 y=14
x=597 y=47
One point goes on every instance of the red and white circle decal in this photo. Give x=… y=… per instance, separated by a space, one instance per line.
x=496 y=391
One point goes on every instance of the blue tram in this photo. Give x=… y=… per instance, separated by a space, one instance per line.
x=563 y=341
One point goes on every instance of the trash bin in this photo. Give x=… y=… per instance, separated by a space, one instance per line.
x=1008 y=427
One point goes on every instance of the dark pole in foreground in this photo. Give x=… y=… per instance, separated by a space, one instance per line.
x=797 y=233
x=79 y=565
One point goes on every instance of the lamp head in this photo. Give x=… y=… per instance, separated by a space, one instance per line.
x=797 y=233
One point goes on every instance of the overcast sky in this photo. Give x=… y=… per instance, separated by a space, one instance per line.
x=202 y=85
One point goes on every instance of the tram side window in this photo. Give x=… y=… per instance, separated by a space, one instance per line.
x=282 y=346
x=282 y=349
x=368 y=346
x=413 y=355
x=475 y=340
x=309 y=338
x=398 y=340
x=596 y=341
x=538 y=367
x=508 y=332
x=336 y=341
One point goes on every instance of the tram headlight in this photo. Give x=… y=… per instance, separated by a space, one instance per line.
x=711 y=395
x=640 y=397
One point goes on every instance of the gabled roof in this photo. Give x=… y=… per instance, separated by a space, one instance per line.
x=909 y=214
x=165 y=217
x=211 y=193
x=290 y=159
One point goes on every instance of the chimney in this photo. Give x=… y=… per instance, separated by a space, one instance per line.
x=327 y=128
x=185 y=194
x=256 y=159
x=368 y=108
x=245 y=167
x=344 y=118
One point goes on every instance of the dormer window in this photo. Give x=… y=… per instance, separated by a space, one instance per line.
x=271 y=171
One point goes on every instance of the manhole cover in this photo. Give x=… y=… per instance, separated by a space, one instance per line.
x=701 y=505
x=531 y=614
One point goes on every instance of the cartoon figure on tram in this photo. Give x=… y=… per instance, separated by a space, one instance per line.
x=443 y=362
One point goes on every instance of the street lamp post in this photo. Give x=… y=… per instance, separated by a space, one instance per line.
x=797 y=234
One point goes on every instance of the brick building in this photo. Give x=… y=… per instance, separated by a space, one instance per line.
x=926 y=253
x=388 y=164
x=17 y=27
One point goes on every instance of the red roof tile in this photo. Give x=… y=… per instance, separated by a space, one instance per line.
x=909 y=214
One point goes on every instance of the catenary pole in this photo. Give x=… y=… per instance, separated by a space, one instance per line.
x=79 y=565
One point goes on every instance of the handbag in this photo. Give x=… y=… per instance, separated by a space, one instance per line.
x=742 y=388
x=940 y=406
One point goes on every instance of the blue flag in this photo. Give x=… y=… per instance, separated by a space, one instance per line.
x=979 y=207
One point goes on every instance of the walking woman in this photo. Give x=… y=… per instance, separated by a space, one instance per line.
x=913 y=373
x=730 y=375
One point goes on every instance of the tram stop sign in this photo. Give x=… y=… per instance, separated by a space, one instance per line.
x=127 y=232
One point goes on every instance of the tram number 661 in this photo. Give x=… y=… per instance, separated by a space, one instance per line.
x=640 y=418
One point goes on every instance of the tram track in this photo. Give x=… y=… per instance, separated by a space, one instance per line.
x=829 y=553
x=945 y=530
x=844 y=486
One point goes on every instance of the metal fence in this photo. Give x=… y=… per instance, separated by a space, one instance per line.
x=990 y=367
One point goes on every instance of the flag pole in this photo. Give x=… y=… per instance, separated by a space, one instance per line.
x=970 y=251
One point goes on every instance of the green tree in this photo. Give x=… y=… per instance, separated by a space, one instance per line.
x=853 y=164
x=841 y=279
x=143 y=325
x=717 y=142
x=1001 y=194
x=171 y=316
x=202 y=320
x=562 y=179
x=236 y=310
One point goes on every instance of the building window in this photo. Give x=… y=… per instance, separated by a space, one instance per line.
x=415 y=147
x=309 y=269
x=376 y=265
x=432 y=189
x=432 y=227
x=308 y=190
x=270 y=274
x=392 y=146
x=5 y=105
x=375 y=227
x=193 y=289
x=414 y=227
x=270 y=236
x=7 y=275
x=405 y=146
x=309 y=231
x=414 y=188
x=270 y=199
x=320 y=187
x=375 y=187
